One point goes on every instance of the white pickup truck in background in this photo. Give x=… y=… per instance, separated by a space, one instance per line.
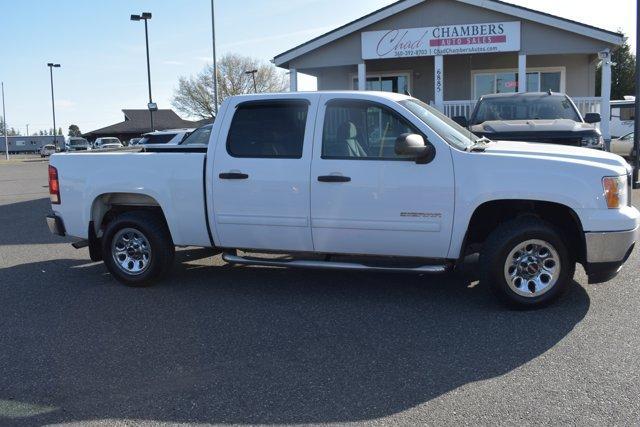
x=352 y=180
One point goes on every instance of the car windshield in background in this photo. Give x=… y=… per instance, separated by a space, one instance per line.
x=544 y=107
x=158 y=139
x=75 y=142
x=199 y=136
x=450 y=131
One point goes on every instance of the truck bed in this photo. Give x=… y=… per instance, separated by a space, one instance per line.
x=174 y=179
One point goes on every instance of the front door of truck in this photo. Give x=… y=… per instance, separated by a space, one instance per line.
x=261 y=175
x=365 y=199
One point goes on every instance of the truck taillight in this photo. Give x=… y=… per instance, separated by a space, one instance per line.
x=54 y=186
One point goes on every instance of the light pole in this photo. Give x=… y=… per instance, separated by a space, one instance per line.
x=145 y=16
x=253 y=74
x=27 y=129
x=4 y=121
x=51 y=66
x=215 y=65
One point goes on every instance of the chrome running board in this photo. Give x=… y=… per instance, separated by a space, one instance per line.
x=330 y=265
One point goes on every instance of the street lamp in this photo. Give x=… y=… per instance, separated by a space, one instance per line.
x=253 y=74
x=51 y=66
x=145 y=16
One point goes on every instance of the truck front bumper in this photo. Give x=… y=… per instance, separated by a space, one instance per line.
x=56 y=226
x=607 y=252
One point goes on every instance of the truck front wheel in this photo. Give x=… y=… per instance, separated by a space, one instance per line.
x=137 y=247
x=526 y=263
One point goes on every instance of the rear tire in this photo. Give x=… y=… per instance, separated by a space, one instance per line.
x=526 y=263
x=137 y=248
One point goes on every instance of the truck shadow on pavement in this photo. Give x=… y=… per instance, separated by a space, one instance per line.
x=246 y=345
x=24 y=223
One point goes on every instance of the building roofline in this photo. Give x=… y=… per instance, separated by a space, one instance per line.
x=500 y=6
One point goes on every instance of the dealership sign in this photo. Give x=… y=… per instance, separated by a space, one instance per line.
x=443 y=40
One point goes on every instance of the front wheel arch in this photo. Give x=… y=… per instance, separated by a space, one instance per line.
x=490 y=215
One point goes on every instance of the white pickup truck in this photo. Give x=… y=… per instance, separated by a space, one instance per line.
x=352 y=180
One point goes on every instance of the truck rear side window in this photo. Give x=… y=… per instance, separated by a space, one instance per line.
x=268 y=130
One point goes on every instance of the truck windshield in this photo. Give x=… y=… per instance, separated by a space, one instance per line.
x=454 y=134
x=543 y=107
x=75 y=142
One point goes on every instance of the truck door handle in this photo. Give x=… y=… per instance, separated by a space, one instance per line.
x=234 y=175
x=334 y=178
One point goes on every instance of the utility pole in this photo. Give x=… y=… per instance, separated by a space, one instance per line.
x=253 y=74
x=636 y=138
x=215 y=65
x=4 y=121
x=27 y=129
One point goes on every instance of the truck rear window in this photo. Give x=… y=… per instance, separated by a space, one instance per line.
x=273 y=129
x=158 y=139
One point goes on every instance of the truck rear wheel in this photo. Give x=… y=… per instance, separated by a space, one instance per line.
x=137 y=248
x=525 y=262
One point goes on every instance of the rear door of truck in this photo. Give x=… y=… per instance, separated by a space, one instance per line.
x=261 y=173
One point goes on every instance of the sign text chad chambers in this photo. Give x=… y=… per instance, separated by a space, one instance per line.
x=443 y=40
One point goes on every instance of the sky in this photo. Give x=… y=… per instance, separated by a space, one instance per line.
x=102 y=52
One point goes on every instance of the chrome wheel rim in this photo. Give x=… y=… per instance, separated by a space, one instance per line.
x=131 y=251
x=532 y=268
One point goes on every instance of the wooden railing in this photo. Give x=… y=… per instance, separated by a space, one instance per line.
x=465 y=107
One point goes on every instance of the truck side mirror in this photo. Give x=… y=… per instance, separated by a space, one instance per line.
x=413 y=146
x=592 y=118
x=461 y=120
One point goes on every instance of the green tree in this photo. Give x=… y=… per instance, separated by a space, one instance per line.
x=74 y=130
x=623 y=73
x=194 y=95
x=60 y=132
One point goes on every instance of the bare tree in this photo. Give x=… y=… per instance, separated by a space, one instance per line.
x=194 y=94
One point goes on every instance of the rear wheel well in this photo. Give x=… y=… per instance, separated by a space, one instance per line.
x=108 y=206
x=488 y=216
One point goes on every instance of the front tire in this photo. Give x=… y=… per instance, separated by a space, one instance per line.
x=526 y=263
x=138 y=249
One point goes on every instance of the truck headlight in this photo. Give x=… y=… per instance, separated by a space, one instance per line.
x=615 y=191
x=593 y=141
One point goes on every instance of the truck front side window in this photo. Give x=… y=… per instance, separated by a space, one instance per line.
x=362 y=130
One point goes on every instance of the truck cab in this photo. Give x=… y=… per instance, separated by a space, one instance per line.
x=353 y=180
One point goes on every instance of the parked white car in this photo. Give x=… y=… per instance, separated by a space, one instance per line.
x=78 y=144
x=47 y=150
x=101 y=143
x=623 y=146
x=362 y=181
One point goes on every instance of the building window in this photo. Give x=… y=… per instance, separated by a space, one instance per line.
x=485 y=83
x=398 y=83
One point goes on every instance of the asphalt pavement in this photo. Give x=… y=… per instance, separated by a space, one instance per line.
x=216 y=344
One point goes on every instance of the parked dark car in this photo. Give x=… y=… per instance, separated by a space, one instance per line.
x=534 y=117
